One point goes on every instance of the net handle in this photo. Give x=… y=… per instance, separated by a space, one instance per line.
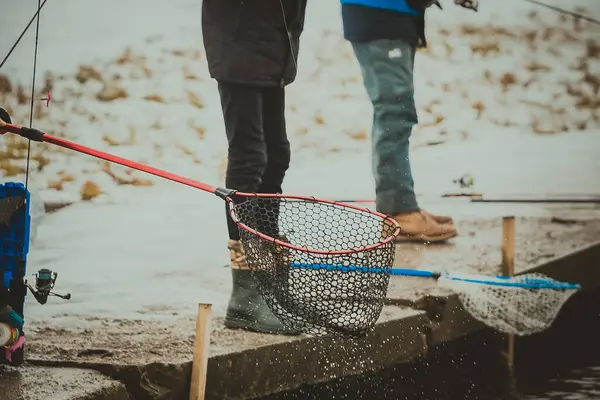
x=268 y=238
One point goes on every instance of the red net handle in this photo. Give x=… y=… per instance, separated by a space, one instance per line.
x=39 y=136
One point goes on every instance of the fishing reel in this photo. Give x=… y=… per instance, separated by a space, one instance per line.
x=44 y=283
x=465 y=181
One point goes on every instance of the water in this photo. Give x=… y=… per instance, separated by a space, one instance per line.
x=577 y=384
x=473 y=369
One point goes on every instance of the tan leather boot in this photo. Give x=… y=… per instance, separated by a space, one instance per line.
x=418 y=226
x=237 y=257
x=440 y=219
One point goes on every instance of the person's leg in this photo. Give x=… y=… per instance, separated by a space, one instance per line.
x=247 y=161
x=246 y=152
x=387 y=69
x=278 y=155
x=278 y=146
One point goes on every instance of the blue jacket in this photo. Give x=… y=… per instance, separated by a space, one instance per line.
x=394 y=5
x=369 y=20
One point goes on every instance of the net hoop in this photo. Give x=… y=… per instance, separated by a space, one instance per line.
x=383 y=217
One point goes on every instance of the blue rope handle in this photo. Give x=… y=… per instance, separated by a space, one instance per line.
x=530 y=283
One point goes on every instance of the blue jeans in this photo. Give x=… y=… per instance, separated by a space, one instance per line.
x=387 y=69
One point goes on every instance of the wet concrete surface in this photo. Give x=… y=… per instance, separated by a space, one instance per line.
x=477 y=249
x=41 y=383
x=242 y=364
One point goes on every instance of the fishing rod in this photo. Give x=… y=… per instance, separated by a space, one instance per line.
x=467 y=181
x=565 y=12
x=480 y=198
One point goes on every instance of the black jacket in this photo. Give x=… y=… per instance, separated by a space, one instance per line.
x=246 y=40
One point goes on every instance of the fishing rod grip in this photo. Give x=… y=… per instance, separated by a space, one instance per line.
x=28 y=133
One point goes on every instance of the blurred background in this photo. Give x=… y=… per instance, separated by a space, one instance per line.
x=509 y=94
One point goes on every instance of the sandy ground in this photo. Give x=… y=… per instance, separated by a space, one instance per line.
x=35 y=383
x=509 y=94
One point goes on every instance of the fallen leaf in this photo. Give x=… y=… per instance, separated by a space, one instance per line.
x=448 y=47
x=106 y=167
x=141 y=182
x=301 y=131
x=358 y=135
x=22 y=97
x=56 y=185
x=109 y=141
x=126 y=57
x=195 y=100
x=90 y=190
x=592 y=49
x=111 y=93
x=507 y=80
x=10 y=169
x=479 y=107
x=189 y=75
x=186 y=150
x=199 y=130
x=535 y=66
x=156 y=125
x=86 y=73
x=42 y=161
x=155 y=98
x=112 y=142
x=5 y=84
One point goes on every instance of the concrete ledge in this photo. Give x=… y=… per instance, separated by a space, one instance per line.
x=248 y=365
x=35 y=383
x=581 y=266
x=399 y=338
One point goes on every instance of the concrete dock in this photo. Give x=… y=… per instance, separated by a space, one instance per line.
x=153 y=359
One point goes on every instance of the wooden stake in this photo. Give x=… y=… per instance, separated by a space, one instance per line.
x=201 y=348
x=508 y=269
x=508 y=246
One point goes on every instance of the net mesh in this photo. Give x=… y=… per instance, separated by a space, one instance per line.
x=323 y=294
x=511 y=309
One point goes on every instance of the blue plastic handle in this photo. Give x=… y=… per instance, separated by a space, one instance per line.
x=531 y=283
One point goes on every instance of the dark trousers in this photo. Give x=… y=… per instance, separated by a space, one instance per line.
x=259 y=151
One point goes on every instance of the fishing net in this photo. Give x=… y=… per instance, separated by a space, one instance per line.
x=327 y=294
x=520 y=305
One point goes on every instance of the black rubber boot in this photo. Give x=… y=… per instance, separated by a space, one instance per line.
x=247 y=309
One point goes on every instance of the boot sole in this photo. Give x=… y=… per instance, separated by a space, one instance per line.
x=425 y=238
x=249 y=326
